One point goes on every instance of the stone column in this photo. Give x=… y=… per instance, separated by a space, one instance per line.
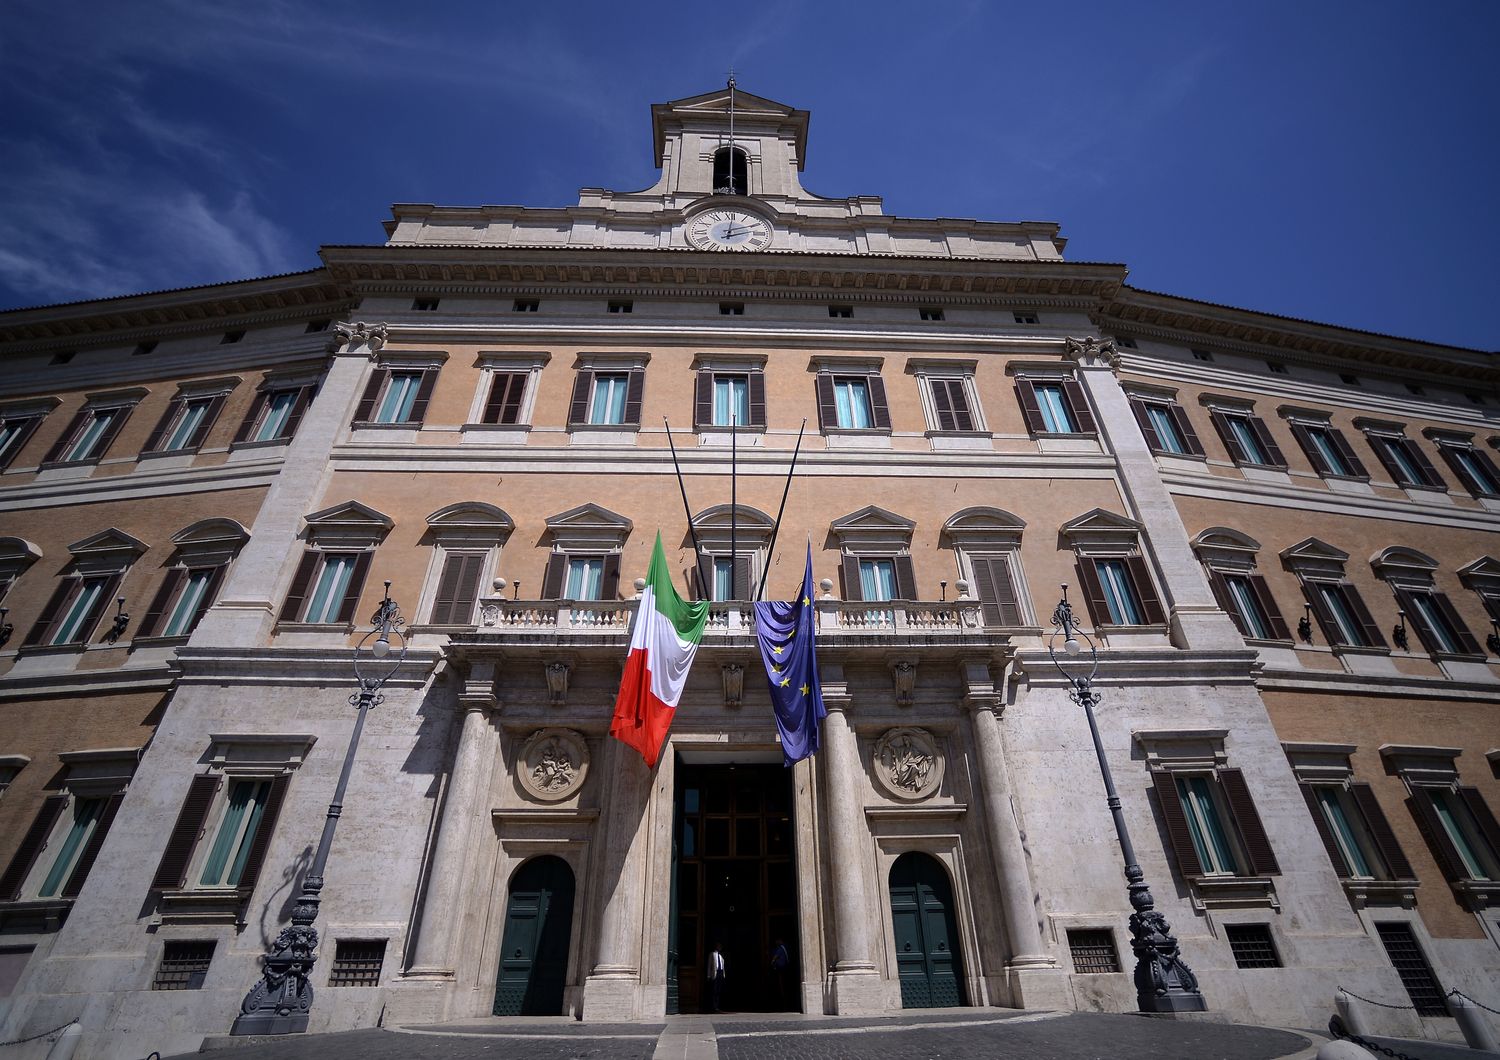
x=477 y=742
x=1194 y=615
x=857 y=987
x=246 y=609
x=611 y=993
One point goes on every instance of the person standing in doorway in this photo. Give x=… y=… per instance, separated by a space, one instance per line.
x=780 y=961
x=716 y=979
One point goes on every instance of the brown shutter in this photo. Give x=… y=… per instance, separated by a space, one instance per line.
x=366 y=407
x=1252 y=833
x=17 y=443
x=91 y=849
x=296 y=596
x=447 y=592
x=458 y=589
x=703 y=400
x=741 y=577
x=1325 y=833
x=1380 y=831
x=210 y=595
x=1031 y=411
x=1093 y=591
x=1430 y=476
x=153 y=440
x=171 y=871
x=1263 y=436
x=610 y=589
x=942 y=404
x=1178 y=833
x=294 y=417
x=48 y=618
x=1459 y=471
x=1145 y=592
x=1467 y=642
x=1443 y=851
x=248 y=423
x=906 y=578
x=578 y=407
x=880 y=409
x=106 y=599
x=757 y=399
x=962 y=414
x=1355 y=466
x=504 y=402
x=263 y=832
x=997 y=592
x=1488 y=827
x=107 y=439
x=70 y=432
x=1416 y=620
x=1330 y=628
x=1143 y=419
x=1485 y=462
x=210 y=414
x=1185 y=428
x=705 y=572
x=1268 y=608
x=356 y=585
x=853 y=590
x=418 y=411
x=552 y=580
x=1299 y=432
x=160 y=602
x=828 y=406
x=1226 y=435
x=1227 y=602
x=1083 y=416
x=32 y=844
x=1373 y=636
x=634 y=390
x=1381 y=446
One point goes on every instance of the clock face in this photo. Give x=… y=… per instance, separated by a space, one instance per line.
x=729 y=230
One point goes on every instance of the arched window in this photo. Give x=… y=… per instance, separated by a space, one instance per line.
x=731 y=172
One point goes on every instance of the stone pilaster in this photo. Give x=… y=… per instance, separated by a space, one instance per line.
x=611 y=993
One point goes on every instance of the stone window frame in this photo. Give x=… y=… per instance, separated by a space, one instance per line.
x=214 y=391
x=31 y=412
x=1145 y=396
x=1103 y=535
x=386 y=364
x=983 y=534
x=752 y=534
x=123 y=401
x=586 y=367
x=1482 y=577
x=1449 y=444
x=107 y=555
x=1317 y=563
x=1028 y=373
x=705 y=367
x=949 y=369
x=350 y=528
x=302 y=382
x=1429 y=769
x=1227 y=553
x=585 y=531
x=1222 y=410
x=1302 y=421
x=827 y=371
x=1382 y=433
x=208 y=544
x=1409 y=573
x=16 y=557
x=467 y=528
x=873 y=533
x=493 y=366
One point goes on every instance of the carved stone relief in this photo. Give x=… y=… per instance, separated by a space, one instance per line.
x=909 y=763
x=553 y=764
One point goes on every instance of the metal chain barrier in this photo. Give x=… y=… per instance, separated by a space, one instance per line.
x=1372 y=1001
x=1338 y=1030
x=1455 y=992
x=44 y=1034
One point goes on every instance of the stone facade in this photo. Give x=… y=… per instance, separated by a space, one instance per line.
x=482 y=407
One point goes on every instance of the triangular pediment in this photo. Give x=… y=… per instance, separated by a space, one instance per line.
x=752 y=113
x=1483 y=571
x=111 y=540
x=1099 y=520
x=718 y=100
x=589 y=517
x=350 y=513
x=871 y=517
x=1312 y=549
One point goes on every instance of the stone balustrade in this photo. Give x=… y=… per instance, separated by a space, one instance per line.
x=894 y=617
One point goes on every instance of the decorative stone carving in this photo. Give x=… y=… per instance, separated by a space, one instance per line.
x=358 y=333
x=1092 y=353
x=734 y=684
x=557 y=682
x=904 y=677
x=553 y=764
x=909 y=763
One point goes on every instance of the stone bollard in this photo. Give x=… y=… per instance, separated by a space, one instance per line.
x=66 y=1044
x=1351 y=1014
x=1471 y=1021
x=1340 y=1050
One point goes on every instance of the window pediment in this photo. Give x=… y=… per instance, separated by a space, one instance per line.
x=1220 y=544
x=1404 y=562
x=471 y=518
x=211 y=532
x=350 y=523
x=17 y=552
x=982 y=526
x=1100 y=528
x=1311 y=556
x=1483 y=573
x=752 y=527
x=873 y=527
x=588 y=525
x=108 y=544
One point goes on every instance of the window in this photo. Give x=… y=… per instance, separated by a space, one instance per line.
x=1355 y=832
x=526 y=305
x=950 y=404
x=988 y=543
x=1202 y=355
x=1472 y=466
x=188 y=417
x=930 y=313
x=1026 y=316
x=1093 y=950
x=467 y=537
x=274 y=414
x=396 y=396
x=424 y=305
x=852 y=401
x=1455 y=820
x=1410 y=575
x=17 y=424
x=622 y=307
x=731 y=309
x=607 y=397
x=143 y=348
x=231 y=337
x=724 y=575
x=731 y=172
x=843 y=312
x=315 y=326
x=93 y=428
x=184 y=965
x=1165 y=426
x=1325 y=447
x=1276 y=368
x=222 y=832
x=729 y=396
x=326 y=587
x=85 y=590
x=608 y=404
x=1416 y=974
x=582 y=577
x=1401 y=457
x=1054 y=406
x=1212 y=823
x=1252 y=945
x=1340 y=610
x=1349 y=380
x=504 y=402
x=357 y=962
x=1249 y=603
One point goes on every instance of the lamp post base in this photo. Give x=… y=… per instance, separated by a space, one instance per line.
x=1171 y=1002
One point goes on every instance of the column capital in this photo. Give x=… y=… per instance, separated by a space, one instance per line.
x=1090 y=352
x=357 y=334
x=477 y=692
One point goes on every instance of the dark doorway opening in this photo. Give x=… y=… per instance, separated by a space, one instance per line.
x=534 y=949
x=735 y=886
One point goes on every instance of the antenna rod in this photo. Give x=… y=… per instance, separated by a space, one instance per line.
x=692 y=530
x=732 y=189
x=733 y=493
x=770 y=551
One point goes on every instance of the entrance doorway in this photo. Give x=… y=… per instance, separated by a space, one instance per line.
x=736 y=887
x=534 y=949
x=927 y=956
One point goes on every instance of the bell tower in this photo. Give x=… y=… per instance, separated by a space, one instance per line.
x=729 y=141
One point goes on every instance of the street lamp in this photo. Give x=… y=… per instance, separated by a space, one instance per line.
x=1163 y=981
x=281 y=999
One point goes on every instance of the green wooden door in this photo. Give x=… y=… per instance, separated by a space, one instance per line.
x=534 y=948
x=927 y=957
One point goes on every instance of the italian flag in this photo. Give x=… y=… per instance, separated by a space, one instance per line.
x=662 y=645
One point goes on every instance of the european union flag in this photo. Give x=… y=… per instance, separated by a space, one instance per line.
x=786 y=634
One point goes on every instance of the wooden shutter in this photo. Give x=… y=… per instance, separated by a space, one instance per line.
x=1331 y=632
x=418 y=411
x=81 y=417
x=1417 y=621
x=880 y=409
x=705 y=573
x=1263 y=436
x=1304 y=439
x=171 y=871
x=1443 y=851
x=504 y=402
x=1031 y=410
x=22 y=436
x=853 y=589
x=757 y=398
x=703 y=401
x=610 y=590
x=91 y=850
x=1488 y=827
x=1175 y=818
x=210 y=595
x=153 y=440
x=1190 y=440
x=1252 y=833
x=210 y=414
x=1232 y=444
x=906 y=578
x=1430 y=476
x=107 y=439
x=942 y=404
x=263 y=832
x=635 y=388
x=32 y=844
x=1078 y=404
x=1093 y=591
x=1451 y=456
x=552 y=580
x=366 y=407
x=299 y=406
x=1145 y=592
x=1467 y=642
x=997 y=591
x=91 y=619
x=1227 y=603
x=741 y=578
x=828 y=406
x=1143 y=419
x=1325 y=833
x=48 y=618
x=1373 y=636
x=296 y=596
x=356 y=584
x=1381 y=833
x=1355 y=466
x=248 y=423
x=1268 y=608
x=458 y=588
x=1381 y=445
x=160 y=602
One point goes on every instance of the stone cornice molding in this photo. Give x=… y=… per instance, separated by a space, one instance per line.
x=1090 y=352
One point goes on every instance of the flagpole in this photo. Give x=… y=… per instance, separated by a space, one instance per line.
x=760 y=590
x=692 y=530
x=733 y=493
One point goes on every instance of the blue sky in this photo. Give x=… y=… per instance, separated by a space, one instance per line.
x=1320 y=160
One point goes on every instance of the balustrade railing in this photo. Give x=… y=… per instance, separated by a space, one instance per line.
x=893 y=617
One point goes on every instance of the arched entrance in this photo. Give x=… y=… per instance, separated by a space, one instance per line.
x=927 y=956
x=534 y=948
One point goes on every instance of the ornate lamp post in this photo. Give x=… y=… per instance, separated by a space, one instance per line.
x=1163 y=981
x=281 y=999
